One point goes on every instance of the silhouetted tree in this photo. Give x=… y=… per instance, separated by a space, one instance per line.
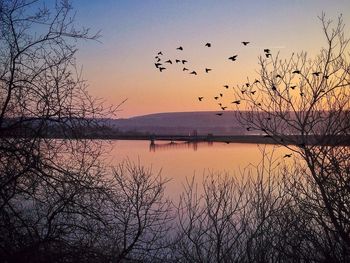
x=47 y=187
x=303 y=104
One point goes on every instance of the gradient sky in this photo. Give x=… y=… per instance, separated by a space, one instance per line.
x=133 y=31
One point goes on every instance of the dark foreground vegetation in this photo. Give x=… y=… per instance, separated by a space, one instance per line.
x=60 y=203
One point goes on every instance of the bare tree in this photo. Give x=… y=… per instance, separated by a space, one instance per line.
x=138 y=217
x=45 y=184
x=302 y=103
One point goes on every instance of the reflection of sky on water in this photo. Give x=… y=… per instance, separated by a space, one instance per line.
x=179 y=161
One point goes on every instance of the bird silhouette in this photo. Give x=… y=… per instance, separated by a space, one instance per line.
x=259 y=104
x=200 y=98
x=278 y=76
x=180 y=48
x=326 y=76
x=316 y=73
x=184 y=69
x=219 y=114
x=158 y=59
x=177 y=60
x=220 y=104
x=268 y=55
x=256 y=81
x=207 y=70
x=225 y=86
x=287 y=155
x=161 y=69
x=253 y=92
x=184 y=61
x=243 y=91
x=233 y=58
x=193 y=72
x=293 y=87
x=160 y=53
x=266 y=50
x=236 y=102
x=296 y=71
x=301 y=94
x=157 y=64
x=247 y=85
x=245 y=43
x=274 y=88
x=216 y=97
x=224 y=108
x=221 y=94
x=208 y=45
x=169 y=61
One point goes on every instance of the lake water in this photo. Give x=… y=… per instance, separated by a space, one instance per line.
x=181 y=160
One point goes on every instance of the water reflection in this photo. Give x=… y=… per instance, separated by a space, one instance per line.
x=176 y=145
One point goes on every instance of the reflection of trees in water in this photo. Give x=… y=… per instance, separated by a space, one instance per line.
x=177 y=145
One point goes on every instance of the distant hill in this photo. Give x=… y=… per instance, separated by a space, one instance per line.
x=182 y=123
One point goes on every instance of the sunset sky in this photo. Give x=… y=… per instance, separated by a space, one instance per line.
x=122 y=66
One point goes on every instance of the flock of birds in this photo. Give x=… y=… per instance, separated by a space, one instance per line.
x=160 y=64
x=162 y=67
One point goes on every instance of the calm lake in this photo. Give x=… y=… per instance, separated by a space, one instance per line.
x=181 y=160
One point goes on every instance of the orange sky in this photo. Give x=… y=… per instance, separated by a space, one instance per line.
x=122 y=66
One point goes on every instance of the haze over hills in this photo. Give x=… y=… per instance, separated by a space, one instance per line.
x=182 y=123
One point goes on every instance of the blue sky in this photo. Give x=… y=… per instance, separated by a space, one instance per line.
x=134 y=31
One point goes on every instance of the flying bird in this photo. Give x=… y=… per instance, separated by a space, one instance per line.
x=243 y=91
x=247 y=84
x=207 y=70
x=293 y=87
x=316 y=73
x=236 y=102
x=200 y=98
x=169 y=61
x=161 y=69
x=160 y=53
x=158 y=59
x=224 y=108
x=216 y=97
x=157 y=64
x=183 y=61
x=268 y=55
x=221 y=94
x=256 y=81
x=274 y=88
x=225 y=86
x=219 y=114
x=233 y=58
x=266 y=50
x=253 y=92
x=180 y=48
x=184 y=69
x=287 y=155
x=208 y=45
x=326 y=76
x=278 y=76
x=177 y=60
x=245 y=43
x=193 y=72
x=296 y=71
